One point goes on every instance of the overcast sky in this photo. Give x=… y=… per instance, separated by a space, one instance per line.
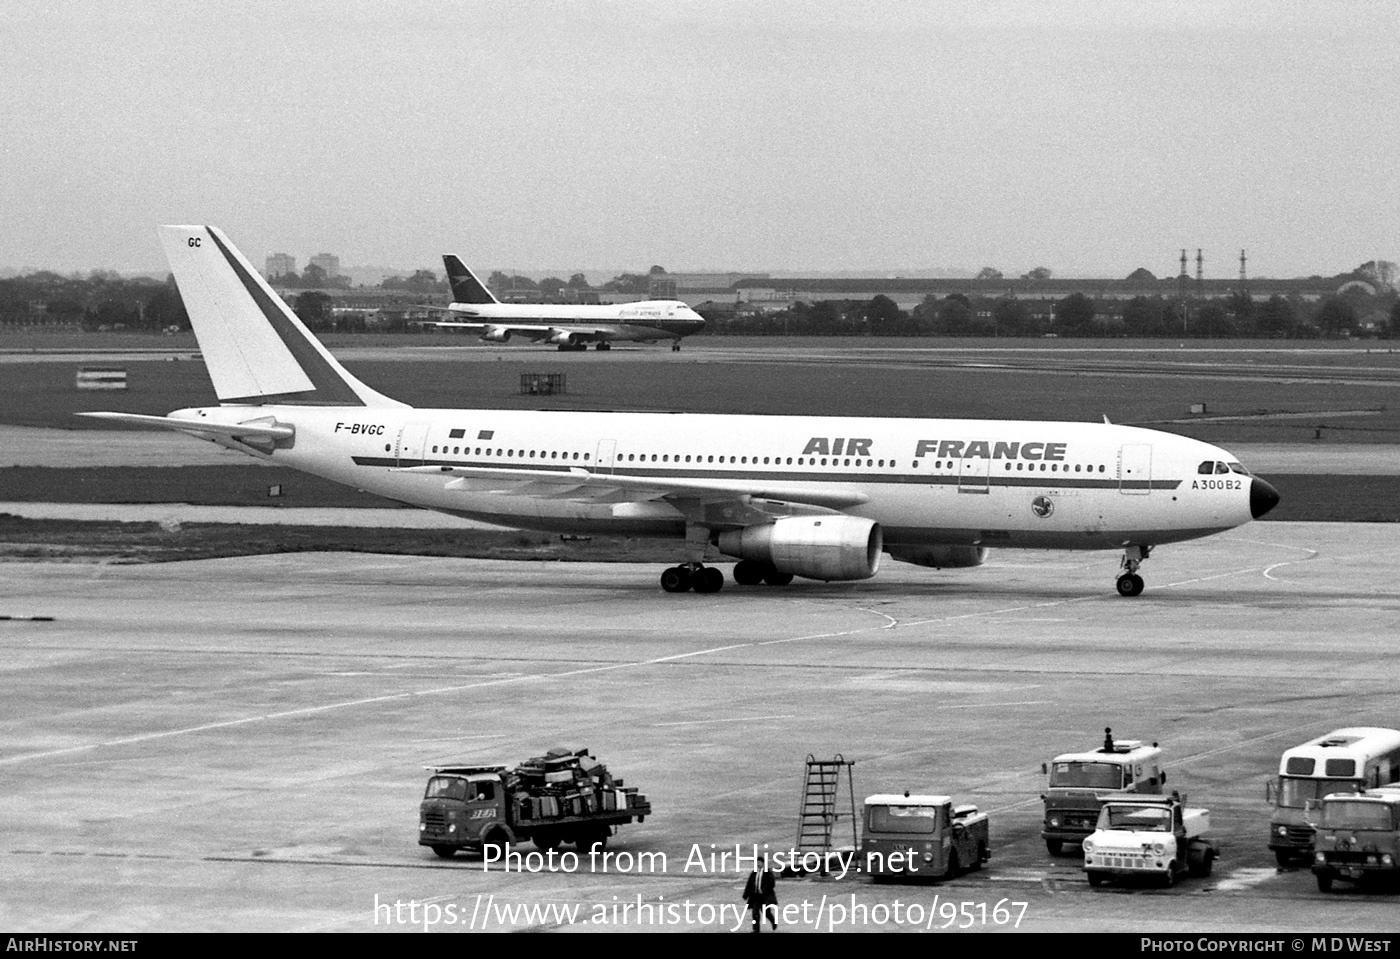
x=1089 y=137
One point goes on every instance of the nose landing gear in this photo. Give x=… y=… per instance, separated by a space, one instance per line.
x=1130 y=583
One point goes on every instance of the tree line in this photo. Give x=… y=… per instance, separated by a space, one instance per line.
x=1075 y=315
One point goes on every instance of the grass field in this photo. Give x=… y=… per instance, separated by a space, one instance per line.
x=1349 y=395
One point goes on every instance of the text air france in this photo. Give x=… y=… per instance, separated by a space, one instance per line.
x=943 y=449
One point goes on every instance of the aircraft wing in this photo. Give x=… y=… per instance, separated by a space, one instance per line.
x=690 y=494
x=264 y=428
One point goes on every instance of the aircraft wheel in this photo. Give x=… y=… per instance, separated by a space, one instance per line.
x=748 y=573
x=707 y=580
x=676 y=579
x=775 y=578
x=1130 y=584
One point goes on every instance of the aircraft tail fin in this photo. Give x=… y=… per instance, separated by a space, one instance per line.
x=255 y=348
x=466 y=288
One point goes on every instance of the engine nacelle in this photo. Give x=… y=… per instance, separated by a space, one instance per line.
x=817 y=547
x=562 y=337
x=940 y=557
x=495 y=334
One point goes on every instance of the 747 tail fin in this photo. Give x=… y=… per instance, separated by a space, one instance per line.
x=466 y=288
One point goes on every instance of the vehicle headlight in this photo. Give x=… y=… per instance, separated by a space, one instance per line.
x=452 y=828
x=1055 y=822
x=1158 y=848
x=1088 y=845
x=1281 y=830
x=1387 y=860
x=1320 y=857
x=422 y=827
x=928 y=857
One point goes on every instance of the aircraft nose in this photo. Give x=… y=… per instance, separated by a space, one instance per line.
x=1262 y=497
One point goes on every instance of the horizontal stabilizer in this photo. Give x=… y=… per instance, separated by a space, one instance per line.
x=263 y=428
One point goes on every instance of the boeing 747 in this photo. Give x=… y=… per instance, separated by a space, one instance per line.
x=571 y=327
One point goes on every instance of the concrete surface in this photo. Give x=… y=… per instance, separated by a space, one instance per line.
x=238 y=744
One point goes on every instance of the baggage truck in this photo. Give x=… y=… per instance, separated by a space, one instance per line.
x=922 y=837
x=561 y=797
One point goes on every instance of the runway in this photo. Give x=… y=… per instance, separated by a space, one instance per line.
x=238 y=744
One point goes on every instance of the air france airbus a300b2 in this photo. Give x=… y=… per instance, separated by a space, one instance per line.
x=819 y=497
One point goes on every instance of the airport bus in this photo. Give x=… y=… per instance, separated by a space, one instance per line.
x=1343 y=761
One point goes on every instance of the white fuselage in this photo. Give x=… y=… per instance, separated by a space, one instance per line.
x=988 y=483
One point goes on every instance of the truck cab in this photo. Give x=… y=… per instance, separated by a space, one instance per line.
x=1078 y=784
x=1357 y=838
x=1151 y=837
x=460 y=808
x=921 y=837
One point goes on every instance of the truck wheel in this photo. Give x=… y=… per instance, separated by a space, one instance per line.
x=445 y=852
x=1054 y=846
x=1324 y=882
x=1283 y=857
x=494 y=838
x=1169 y=879
x=546 y=841
x=1095 y=880
x=954 y=867
x=594 y=838
x=1203 y=868
x=982 y=856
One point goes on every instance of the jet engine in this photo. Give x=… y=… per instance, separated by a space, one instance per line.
x=940 y=557
x=562 y=337
x=817 y=547
x=495 y=334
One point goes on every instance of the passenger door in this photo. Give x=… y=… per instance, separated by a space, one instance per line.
x=974 y=473
x=412 y=438
x=1135 y=469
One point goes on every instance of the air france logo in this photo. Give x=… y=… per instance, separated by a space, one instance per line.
x=982 y=449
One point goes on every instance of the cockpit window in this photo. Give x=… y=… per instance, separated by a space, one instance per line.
x=1237 y=468
x=1206 y=468
x=1221 y=468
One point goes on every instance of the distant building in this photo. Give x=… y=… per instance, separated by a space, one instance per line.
x=329 y=264
x=661 y=287
x=279 y=264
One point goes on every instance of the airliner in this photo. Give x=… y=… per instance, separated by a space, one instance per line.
x=571 y=327
x=818 y=497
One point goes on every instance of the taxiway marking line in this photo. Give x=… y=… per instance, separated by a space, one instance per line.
x=740 y=719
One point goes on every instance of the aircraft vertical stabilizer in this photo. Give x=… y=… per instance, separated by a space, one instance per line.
x=466 y=288
x=255 y=348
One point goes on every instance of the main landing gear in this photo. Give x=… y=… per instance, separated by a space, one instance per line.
x=1130 y=583
x=748 y=572
x=702 y=579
